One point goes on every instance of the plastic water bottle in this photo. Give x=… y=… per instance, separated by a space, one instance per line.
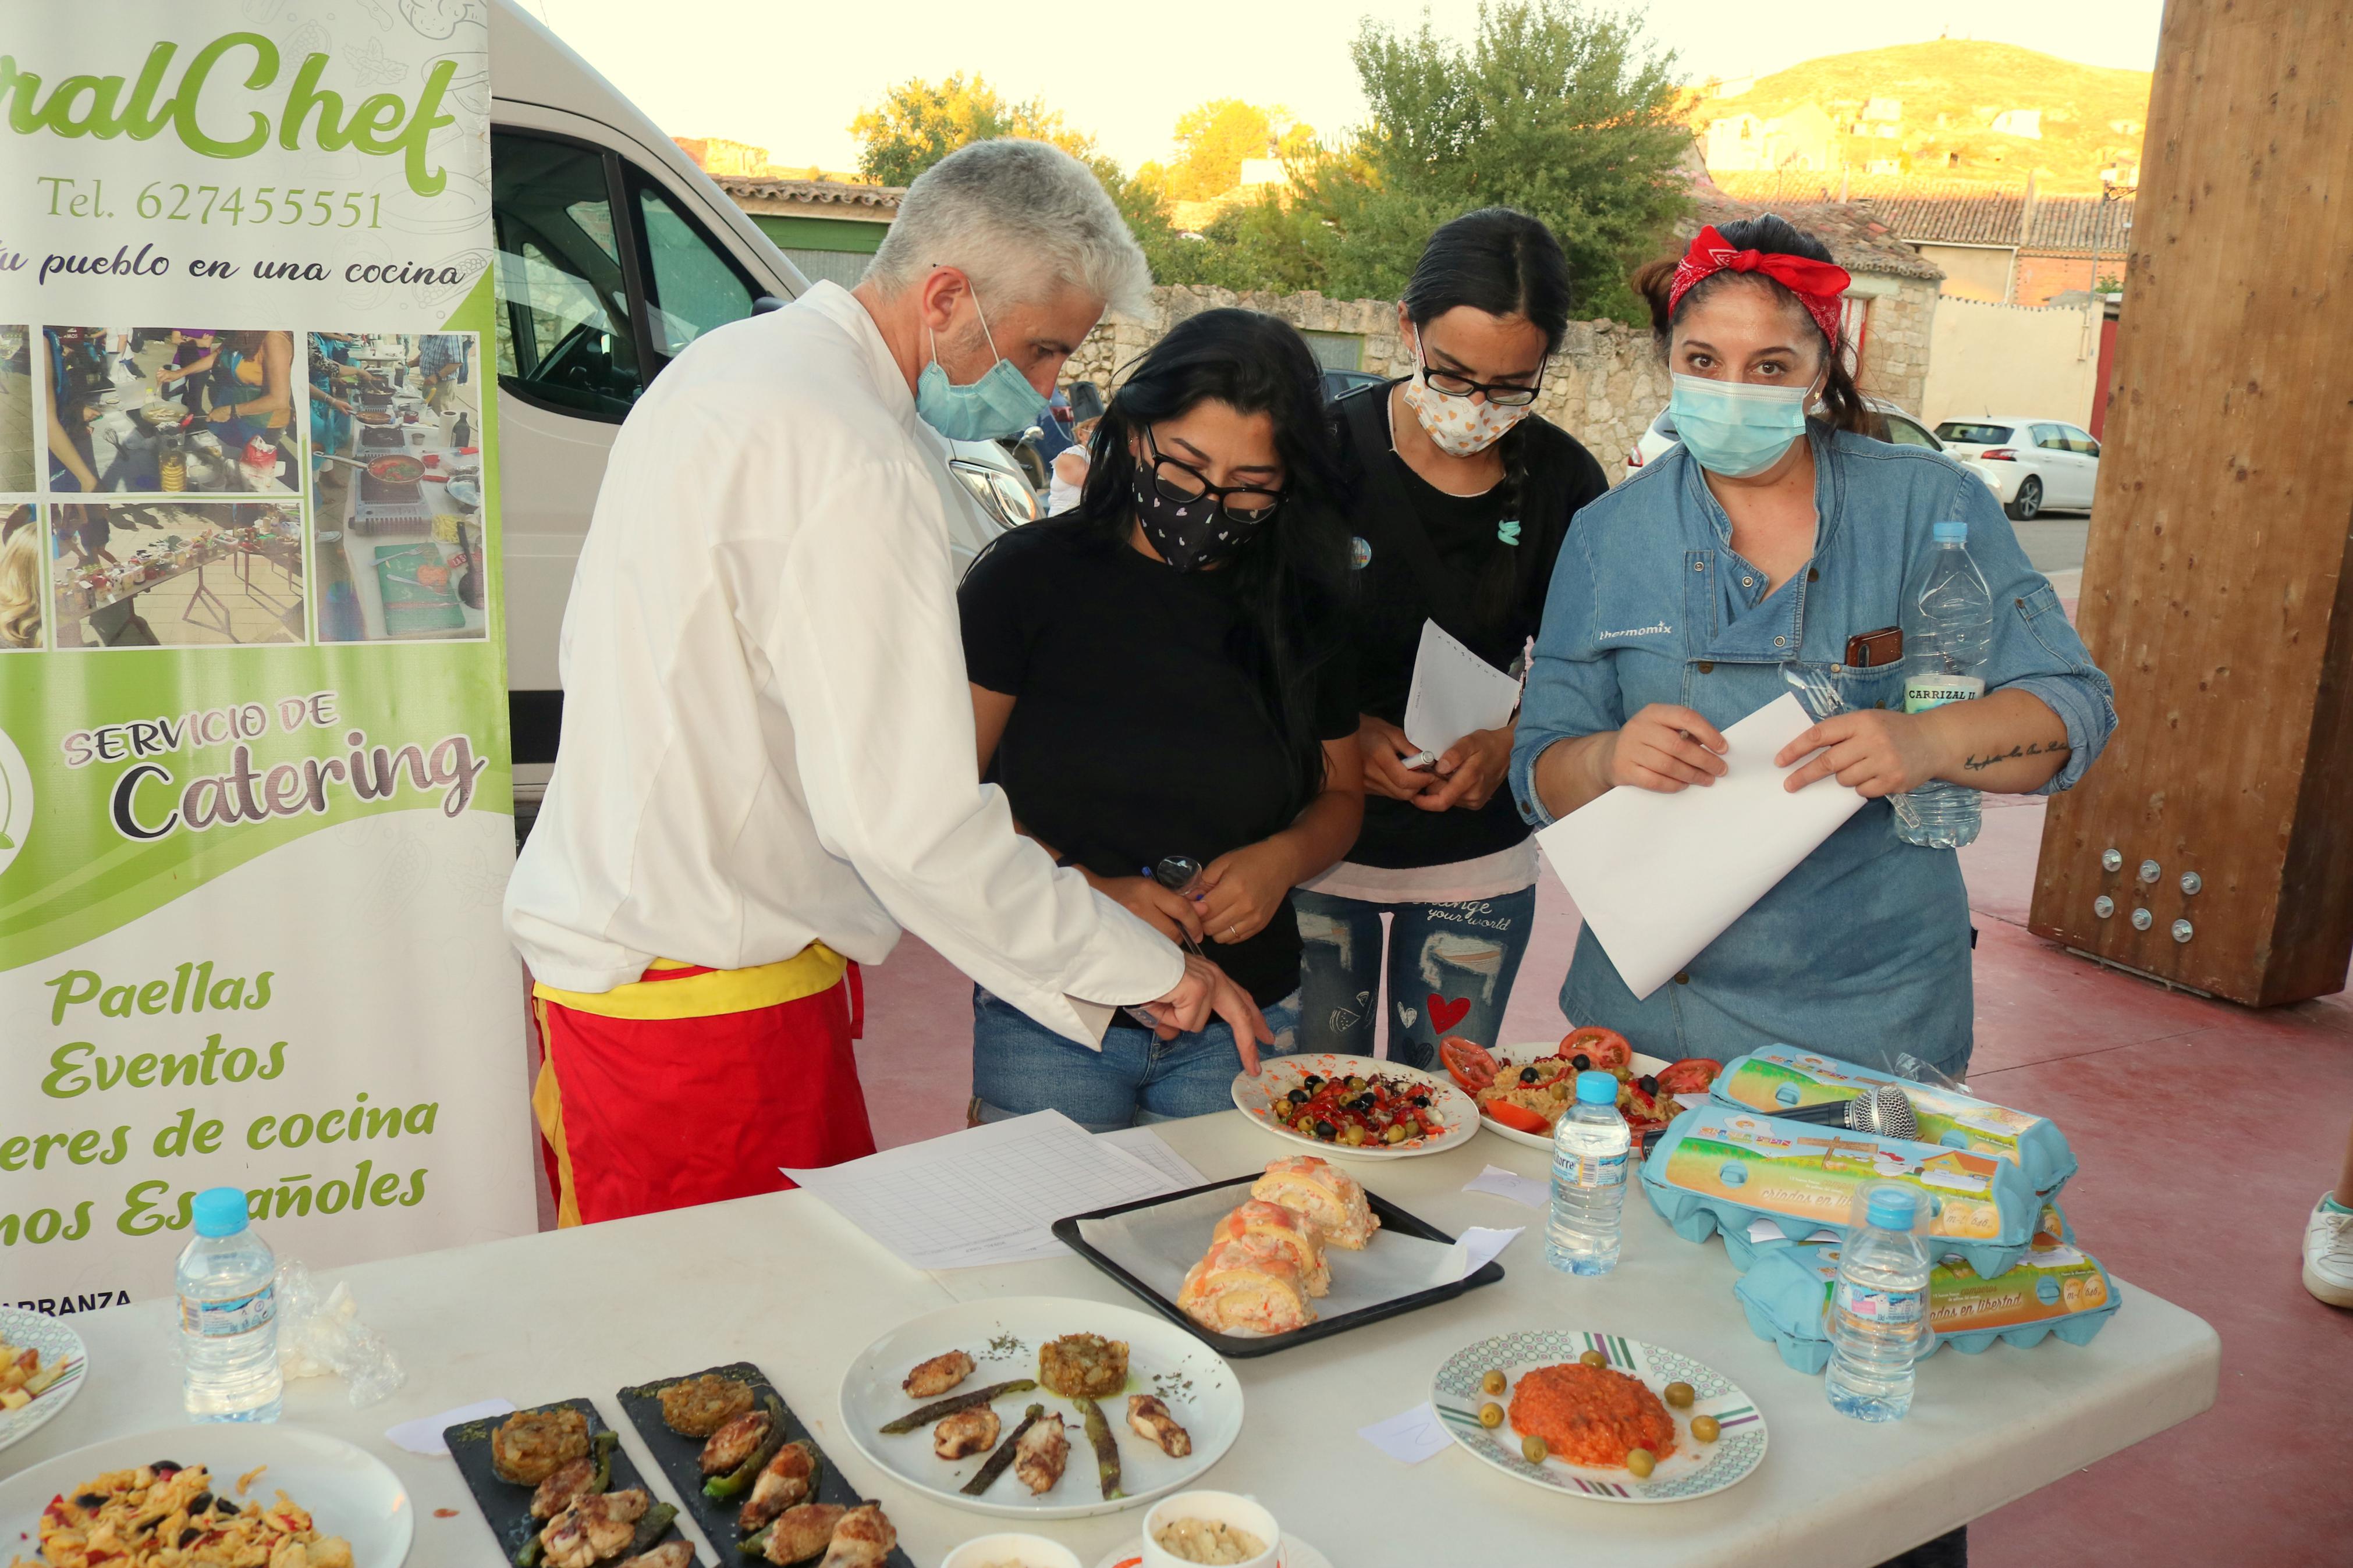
x=1942 y=648
x=1879 y=1311
x=228 y=1315
x=1589 y=1179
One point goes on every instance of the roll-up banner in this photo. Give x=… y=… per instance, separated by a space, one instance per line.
x=255 y=807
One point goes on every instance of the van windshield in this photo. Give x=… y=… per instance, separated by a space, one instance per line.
x=1973 y=434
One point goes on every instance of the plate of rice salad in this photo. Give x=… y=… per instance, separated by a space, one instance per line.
x=41 y=1366
x=1357 y=1108
x=1599 y=1416
x=263 y=1496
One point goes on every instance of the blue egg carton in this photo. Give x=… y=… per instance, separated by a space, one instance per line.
x=1693 y=1197
x=2073 y=1297
x=2052 y=1223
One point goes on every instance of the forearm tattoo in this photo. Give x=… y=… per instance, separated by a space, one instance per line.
x=2055 y=748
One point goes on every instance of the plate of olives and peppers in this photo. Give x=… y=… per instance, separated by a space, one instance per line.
x=1357 y=1108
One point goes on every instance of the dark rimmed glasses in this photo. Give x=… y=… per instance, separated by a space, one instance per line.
x=1184 y=484
x=1453 y=383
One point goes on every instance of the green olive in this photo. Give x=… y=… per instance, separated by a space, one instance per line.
x=1642 y=1461
x=1594 y=1358
x=1493 y=1383
x=1680 y=1395
x=1490 y=1415
x=1395 y=1134
x=1353 y=1137
x=1533 y=1450
x=1705 y=1429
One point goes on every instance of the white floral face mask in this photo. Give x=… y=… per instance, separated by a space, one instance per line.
x=1458 y=426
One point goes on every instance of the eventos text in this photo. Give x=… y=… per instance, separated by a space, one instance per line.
x=219 y=102
x=149 y=802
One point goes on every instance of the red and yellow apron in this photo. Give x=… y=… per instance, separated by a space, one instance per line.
x=692 y=1085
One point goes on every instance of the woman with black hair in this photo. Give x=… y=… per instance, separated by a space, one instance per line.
x=1461 y=494
x=1162 y=673
x=1779 y=539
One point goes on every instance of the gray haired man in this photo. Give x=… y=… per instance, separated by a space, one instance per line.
x=767 y=769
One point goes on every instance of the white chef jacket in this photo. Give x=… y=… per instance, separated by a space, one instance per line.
x=767 y=732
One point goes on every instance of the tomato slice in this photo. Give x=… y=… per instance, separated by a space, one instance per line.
x=1470 y=1064
x=1607 y=1048
x=1693 y=1075
x=1519 y=1118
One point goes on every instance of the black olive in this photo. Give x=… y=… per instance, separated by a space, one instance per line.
x=189 y=1535
x=204 y=1500
x=223 y=1505
x=1422 y=1100
x=1312 y=1082
x=167 y=1467
x=1299 y=1096
x=90 y=1500
x=1649 y=1085
x=1326 y=1130
x=1581 y=1062
x=1530 y=1075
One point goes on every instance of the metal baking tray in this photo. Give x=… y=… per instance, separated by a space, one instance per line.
x=1395 y=1221
x=680 y=1460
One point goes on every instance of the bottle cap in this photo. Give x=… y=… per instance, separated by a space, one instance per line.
x=219 y=1211
x=1951 y=532
x=1892 y=1208
x=1597 y=1087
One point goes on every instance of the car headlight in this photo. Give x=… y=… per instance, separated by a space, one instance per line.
x=1003 y=495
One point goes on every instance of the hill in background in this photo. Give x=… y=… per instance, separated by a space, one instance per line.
x=1952 y=109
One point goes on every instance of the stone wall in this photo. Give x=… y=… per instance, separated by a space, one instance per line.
x=1895 y=344
x=1604 y=387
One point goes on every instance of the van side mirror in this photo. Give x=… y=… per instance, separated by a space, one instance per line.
x=767 y=302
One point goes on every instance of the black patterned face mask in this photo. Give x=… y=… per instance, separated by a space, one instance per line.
x=1191 y=535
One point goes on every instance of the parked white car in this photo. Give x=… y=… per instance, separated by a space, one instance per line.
x=1901 y=430
x=2031 y=465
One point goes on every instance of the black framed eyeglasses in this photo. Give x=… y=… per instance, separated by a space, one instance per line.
x=1184 y=484
x=1453 y=383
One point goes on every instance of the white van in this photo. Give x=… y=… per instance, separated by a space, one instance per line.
x=614 y=253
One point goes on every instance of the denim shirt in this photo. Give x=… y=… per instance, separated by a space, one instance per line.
x=1863 y=951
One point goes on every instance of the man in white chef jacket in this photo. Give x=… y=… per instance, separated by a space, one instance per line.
x=767 y=765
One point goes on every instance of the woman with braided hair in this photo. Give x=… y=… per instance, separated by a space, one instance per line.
x=1461 y=494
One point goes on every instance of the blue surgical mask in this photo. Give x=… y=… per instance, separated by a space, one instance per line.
x=1736 y=428
x=1001 y=403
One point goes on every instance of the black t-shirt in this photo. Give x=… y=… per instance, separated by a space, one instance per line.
x=1424 y=555
x=1140 y=729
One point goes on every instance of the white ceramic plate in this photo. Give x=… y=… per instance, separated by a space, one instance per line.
x=52 y=1338
x=1003 y=1337
x=349 y=1493
x=1511 y=1058
x=1295 y=1553
x=1278 y=1075
x=1693 y=1469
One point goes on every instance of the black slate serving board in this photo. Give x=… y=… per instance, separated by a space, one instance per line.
x=506 y=1508
x=680 y=1458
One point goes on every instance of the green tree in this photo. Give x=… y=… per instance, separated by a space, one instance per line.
x=1213 y=140
x=1553 y=109
x=920 y=122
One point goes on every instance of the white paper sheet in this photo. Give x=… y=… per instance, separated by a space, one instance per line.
x=1157 y=1245
x=1410 y=1438
x=1455 y=692
x=423 y=1435
x=1658 y=877
x=1762 y=1229
x=988 y=1195
x=1529 y=1190
x=1481 y=1246
x=1154 y=1150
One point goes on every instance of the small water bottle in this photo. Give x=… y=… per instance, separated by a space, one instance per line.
x=1878 y=1310
x=1944 y=646
x=228 y=1315
x=1589 y=1179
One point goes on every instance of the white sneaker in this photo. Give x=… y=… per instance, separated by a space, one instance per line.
x=2329 y=1255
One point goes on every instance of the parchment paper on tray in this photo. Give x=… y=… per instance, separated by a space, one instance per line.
x=1148 y=1247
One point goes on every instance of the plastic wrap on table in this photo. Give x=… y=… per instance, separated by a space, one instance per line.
x=1783 y=1077
x=2057 y=1290
x=1718 y=1167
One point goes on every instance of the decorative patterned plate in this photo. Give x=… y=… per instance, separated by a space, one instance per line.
x=1278 y=1075
x=1511 y=1058
x=1693 y=1469
x=52 y=1338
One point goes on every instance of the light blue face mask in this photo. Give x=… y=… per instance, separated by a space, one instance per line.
x=1736 y=428
x=1001 y=403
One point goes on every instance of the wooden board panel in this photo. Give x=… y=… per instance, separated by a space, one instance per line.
x=2216 y=590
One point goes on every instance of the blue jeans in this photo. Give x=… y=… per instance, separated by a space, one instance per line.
x=1019 y=1066
x=1451 y=968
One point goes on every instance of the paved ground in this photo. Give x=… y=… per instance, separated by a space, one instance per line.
x=2055 y=543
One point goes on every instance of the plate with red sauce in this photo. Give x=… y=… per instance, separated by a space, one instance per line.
x=1592 y=1397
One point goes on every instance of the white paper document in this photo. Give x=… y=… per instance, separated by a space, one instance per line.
x=986 y=1195
x=1481 y=1245
x=1455 y=692
x=1529 y=1190
x=1658 y=877
x=1410 y=1438
x=423 y=1435
x=1154 y=1150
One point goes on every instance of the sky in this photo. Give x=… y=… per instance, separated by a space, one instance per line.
x=788 y=76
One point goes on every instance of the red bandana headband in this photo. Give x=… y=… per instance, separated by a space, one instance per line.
x=1816 y=284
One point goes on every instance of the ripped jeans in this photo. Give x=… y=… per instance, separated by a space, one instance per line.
x=1451 y=968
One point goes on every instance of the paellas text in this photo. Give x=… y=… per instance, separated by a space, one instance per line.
x=190 y=987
